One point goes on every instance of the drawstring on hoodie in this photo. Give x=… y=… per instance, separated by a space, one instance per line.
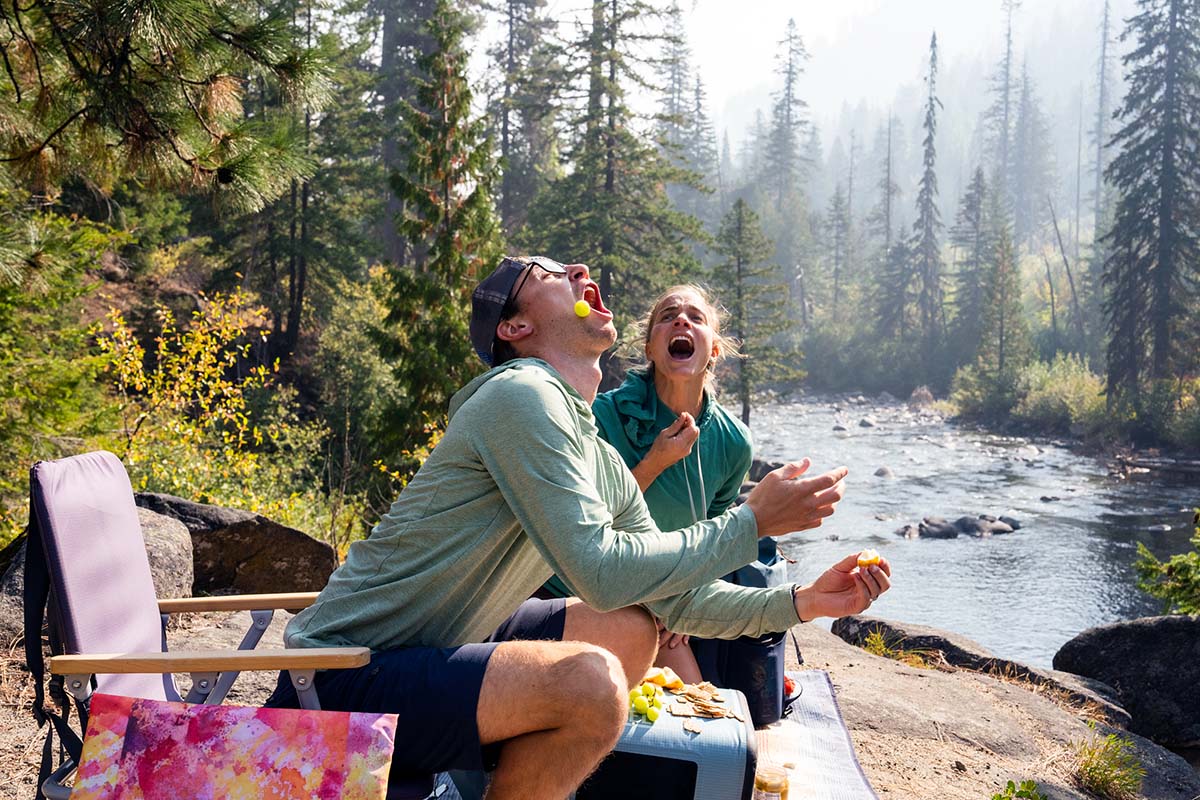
x=687 y=482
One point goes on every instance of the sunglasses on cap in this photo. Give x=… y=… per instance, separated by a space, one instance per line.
x=547 y=264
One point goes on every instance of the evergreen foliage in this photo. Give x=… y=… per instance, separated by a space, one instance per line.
x=1151 y=272
x=927 y=231
x=1033 y=167
x=612 y=209
x=524 y=113
x=1004 y=336
x=98 y=91
x=452 y=233
x=788 y=118
x=973 y=238
x=749 y=288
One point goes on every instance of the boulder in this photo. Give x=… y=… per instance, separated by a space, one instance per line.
x=1010 y=522
x=981 y=526
x=866 y=422
x=839 y=428
x=760 y=468
x=944 y=648
x=909 y=531
x=920 y=397
x=884 y=472
x=1153 y=663
x=168 y=548
x=245 y=552
x=937 y=528
x=886 y=397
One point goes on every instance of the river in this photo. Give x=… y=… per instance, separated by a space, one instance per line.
x=1021 y=595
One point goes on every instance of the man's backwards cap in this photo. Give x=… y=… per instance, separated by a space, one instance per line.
x=488 y=302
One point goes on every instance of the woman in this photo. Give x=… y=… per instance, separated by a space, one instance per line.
x=688 y=454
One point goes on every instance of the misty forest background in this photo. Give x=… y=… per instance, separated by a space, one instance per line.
x=237 y=239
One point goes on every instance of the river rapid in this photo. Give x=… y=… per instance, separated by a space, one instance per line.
x=1021 y=595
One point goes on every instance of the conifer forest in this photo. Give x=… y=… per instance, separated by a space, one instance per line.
x=238 y=240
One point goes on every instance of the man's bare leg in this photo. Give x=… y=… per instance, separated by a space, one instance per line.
x=558 y=707
x=628 y=633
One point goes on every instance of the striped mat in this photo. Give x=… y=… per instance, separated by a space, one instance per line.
x=812 y=743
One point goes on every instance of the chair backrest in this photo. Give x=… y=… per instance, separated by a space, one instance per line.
x=102 y=594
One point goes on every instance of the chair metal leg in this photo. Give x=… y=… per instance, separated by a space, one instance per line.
x=261 y=620
x=202 y=686
x=306 y=692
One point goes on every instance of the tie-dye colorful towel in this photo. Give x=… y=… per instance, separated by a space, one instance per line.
x=153 y=750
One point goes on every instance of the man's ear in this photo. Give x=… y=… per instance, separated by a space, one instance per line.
x=513 y=329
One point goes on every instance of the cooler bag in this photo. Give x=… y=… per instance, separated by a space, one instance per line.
x=662 y=761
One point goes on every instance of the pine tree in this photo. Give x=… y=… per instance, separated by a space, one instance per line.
x=1032 y=172
x=611 y=208
x=524 y=112
x=879 y=221
x=974 y=241
x=998 y=119
x=404 y=41
x=895 y=292
x=1099 y=132
x=1151 y=272
x=752 y=293
x=1004 y=342
x=837 y=223
x=451 y=227
x=101 y=91
x=788 y=118
x=927 y=229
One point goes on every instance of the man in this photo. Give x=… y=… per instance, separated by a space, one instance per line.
x=518 y=489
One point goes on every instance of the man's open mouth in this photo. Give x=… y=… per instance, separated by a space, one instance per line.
x=681 y=348
x=591 y=296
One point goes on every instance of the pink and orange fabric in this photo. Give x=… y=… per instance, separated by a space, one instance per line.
x=139 y=749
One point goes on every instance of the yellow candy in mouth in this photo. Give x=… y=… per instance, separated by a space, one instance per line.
x=582 y=309
x=868 y=558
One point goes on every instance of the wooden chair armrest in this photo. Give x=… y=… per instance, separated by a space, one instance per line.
x=210 y=661
x=238 y=602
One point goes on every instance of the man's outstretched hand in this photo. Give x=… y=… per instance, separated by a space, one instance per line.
x=785 y=501
x=843 y=589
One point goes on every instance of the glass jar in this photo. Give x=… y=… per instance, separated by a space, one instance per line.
x=770 y=783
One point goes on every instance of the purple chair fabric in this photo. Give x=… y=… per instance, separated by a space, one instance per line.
x=102 y=594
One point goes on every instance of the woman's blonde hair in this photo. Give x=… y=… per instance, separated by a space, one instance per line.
x=727 y=346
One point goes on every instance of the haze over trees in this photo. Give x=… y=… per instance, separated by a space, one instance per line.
x=311 y=189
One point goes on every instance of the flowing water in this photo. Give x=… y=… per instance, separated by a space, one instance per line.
x=1021 y=595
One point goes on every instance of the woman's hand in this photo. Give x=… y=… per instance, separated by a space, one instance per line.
x=668 y=639
x=673 y=443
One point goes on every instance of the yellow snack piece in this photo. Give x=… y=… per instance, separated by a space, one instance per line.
x=655 y=676
x=868 y=558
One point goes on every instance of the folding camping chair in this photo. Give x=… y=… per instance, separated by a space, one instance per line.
x=87 y=558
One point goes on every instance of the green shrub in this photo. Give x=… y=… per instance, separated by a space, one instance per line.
x=1058 y=395
x=1176 y=582
x=1028 y=790
x=979 y=395
x=1107 y=767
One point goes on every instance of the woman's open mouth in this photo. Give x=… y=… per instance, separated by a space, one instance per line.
x=681 y=348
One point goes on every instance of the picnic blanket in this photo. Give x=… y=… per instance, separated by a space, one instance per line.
x=812 y=743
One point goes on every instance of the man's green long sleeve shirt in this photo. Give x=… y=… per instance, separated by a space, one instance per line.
x=520 y=488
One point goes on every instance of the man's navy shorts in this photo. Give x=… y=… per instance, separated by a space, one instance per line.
x=435 y=692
